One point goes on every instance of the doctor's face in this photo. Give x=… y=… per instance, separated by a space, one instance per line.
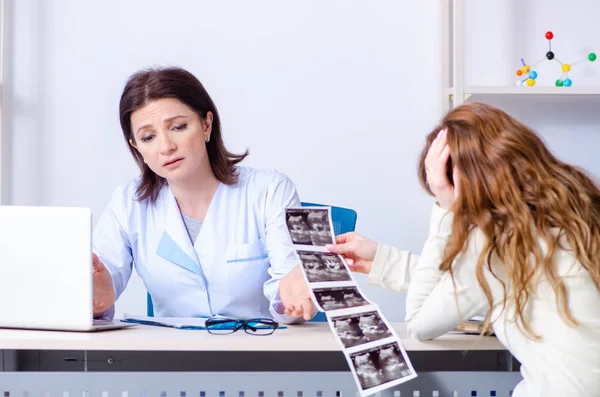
x=171 y=138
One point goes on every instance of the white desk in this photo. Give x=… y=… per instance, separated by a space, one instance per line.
x=302 y=357
x=311 y=346
x=306 y=337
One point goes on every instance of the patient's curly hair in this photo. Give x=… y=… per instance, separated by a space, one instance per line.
x=515 y=191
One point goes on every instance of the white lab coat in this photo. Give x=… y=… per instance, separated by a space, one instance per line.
x=233 y=268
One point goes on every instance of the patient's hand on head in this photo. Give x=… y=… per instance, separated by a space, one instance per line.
x=436 y=168
x=358 y=251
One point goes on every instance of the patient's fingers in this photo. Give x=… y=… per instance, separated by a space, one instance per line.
x=442 y=164
x=435 y=149
x=342 y=249
x=343 y=238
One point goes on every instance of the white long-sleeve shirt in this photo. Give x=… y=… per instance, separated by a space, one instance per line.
x=564 y=362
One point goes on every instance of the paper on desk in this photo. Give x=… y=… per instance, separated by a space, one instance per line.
x=173 y=322
x=473 y=327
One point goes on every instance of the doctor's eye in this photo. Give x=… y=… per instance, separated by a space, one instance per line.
x=180 y=127
x=147 y=138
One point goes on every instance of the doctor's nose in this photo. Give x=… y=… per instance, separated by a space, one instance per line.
x=167 y=145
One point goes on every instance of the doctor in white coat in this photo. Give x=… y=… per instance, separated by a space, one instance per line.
x=207 y=236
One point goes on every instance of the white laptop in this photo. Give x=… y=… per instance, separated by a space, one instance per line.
x=46 y=269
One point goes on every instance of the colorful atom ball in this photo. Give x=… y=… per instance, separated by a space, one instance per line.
x=549 y=35
x=567 y=82
x=530 y=82
x=519 y=72
x=592 y=57
x=566 y=67
x=559 y=83
x=550 y=55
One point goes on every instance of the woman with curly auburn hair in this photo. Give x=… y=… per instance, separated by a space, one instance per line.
x=514 y=237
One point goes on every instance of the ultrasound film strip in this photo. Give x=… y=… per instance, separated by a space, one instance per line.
x=372 y=349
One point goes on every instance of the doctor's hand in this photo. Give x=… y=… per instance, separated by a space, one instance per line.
x=358 y=251
x=295 y=295
x=104 y=292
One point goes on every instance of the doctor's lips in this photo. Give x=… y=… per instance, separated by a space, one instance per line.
x=172 y=163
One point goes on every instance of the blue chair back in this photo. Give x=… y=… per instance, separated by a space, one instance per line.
x=344 y=221
x=149 y=306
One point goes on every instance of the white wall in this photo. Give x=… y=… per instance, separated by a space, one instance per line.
x=337 y=94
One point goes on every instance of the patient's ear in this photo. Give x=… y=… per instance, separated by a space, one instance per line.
x=456 y=181
x=450 y=171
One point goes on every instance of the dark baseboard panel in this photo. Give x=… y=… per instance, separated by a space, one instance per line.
x=233 y=361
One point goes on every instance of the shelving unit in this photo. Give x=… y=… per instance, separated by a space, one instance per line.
x=1 y=91
x=532 y=90
x=455 y=92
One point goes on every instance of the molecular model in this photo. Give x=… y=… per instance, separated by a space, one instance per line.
x=531 y=75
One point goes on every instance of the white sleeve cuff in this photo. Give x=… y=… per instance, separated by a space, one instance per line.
x=381 y=256
x=440 y=224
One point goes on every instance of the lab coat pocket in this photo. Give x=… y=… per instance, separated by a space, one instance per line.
x=250 y=252
x=247 y=268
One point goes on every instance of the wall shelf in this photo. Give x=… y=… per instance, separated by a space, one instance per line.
x=455 y=92
x=499 y=90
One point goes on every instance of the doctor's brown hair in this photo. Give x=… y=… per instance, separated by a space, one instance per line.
x=513 y=189
x=149 y=85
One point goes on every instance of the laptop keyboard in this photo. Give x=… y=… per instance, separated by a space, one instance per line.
x=100 y=321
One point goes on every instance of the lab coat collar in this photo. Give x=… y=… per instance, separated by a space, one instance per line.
x=175 y=244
